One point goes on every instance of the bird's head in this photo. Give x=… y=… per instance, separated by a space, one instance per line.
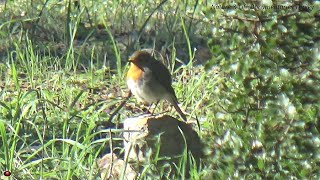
x=141 y=58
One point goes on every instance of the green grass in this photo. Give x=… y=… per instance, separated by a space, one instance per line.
x=62 y=71
x=59 y=82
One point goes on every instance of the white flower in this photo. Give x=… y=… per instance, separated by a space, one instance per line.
x=291 y=111
x=234 y=66
x=284 y=100
x=284 y=72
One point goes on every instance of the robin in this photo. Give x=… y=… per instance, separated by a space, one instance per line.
x=150 y=81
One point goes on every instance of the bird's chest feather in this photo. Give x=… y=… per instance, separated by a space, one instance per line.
x=135 y=82
x=134 y=73
x=141 y=91
x=143 y=85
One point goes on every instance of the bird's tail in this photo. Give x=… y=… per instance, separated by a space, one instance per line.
x=176 y=106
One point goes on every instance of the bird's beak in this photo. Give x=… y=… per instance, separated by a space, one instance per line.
x=133 y=62
x=131 y=59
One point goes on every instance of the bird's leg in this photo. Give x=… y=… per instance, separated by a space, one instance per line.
x=154 y=107
x=147 y=108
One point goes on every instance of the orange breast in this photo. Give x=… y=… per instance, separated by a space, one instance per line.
x=134 y=72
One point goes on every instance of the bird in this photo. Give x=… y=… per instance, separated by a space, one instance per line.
x=150 y=81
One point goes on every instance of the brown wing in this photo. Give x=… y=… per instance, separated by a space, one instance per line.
x=165 y=77
x=166 y=81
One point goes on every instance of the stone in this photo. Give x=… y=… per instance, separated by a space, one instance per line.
x=111 y=167
x=144 y=134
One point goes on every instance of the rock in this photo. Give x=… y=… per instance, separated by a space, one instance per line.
x=111 y=167
x=141 y=137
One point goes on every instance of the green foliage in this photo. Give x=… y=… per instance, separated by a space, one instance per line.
x=270 y=61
